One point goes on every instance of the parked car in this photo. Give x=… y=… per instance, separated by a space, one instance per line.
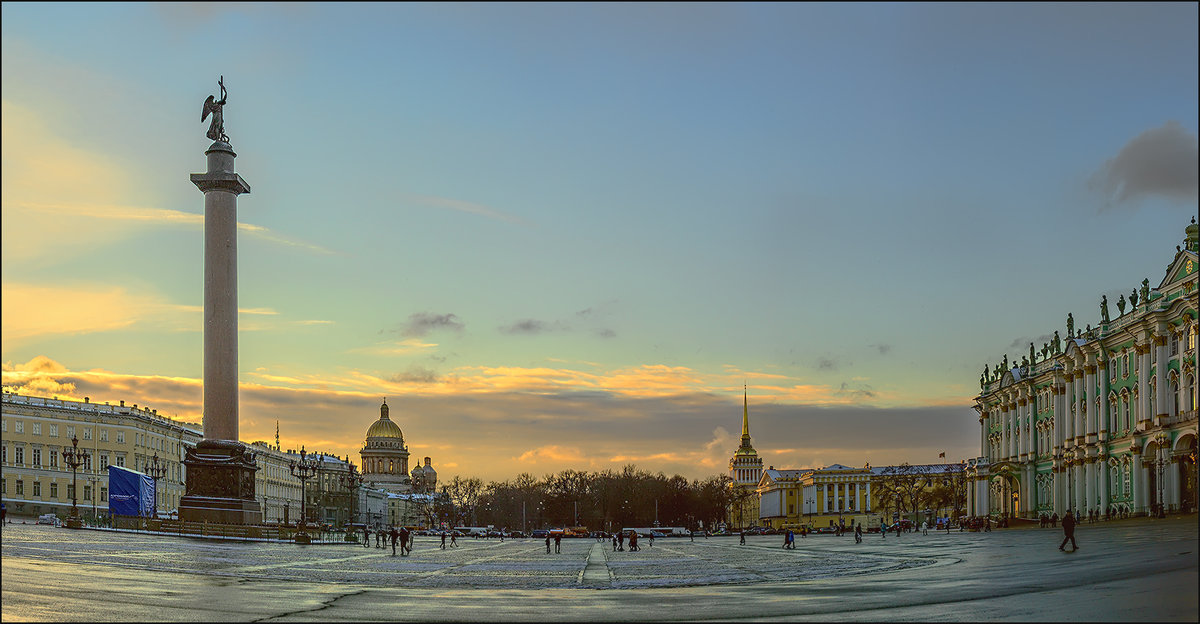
x=657 y=534
x=49 y=518
x=827 y=530
x=540 y=533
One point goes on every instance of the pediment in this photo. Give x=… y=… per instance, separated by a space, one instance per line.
x=1184 y=267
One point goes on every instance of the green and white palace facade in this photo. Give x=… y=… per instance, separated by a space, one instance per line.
x=1102 y=419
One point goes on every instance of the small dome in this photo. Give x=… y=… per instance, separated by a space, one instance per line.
x=384 y=427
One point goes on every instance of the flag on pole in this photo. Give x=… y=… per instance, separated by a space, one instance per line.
x=942 y=454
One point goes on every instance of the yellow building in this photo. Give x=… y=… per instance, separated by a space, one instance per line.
x=36 y=430
x=818 y=497
x=745 y=469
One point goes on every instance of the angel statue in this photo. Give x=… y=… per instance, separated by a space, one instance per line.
x=216 y=129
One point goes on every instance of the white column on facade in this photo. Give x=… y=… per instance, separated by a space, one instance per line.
x=1143 y=401
x=1080 y=407
x=1160 y=376
x=1134 y=467
x=867 y=502
x=1089 y=393
x=1104 y=414
x=983 y=433
x=1012 y=429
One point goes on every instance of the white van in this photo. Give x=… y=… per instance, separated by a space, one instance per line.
x=49 y=518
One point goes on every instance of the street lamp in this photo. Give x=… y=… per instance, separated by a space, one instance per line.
x=351 y=480
x=304 y=470
x=75 y=457
x=156 y=472
x=808 y=504
x=1160 y=465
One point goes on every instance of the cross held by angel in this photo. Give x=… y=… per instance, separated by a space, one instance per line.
x=216 y=129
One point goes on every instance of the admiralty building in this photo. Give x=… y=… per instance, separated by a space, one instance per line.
x=1102 y=418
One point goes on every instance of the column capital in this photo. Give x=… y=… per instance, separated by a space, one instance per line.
x=220 y=181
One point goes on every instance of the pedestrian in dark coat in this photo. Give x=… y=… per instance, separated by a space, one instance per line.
x=395 y=535
x=743 y=537
x=858 y=533
x=443 y=540
x=366 y=537
x=614 y=541
x=557 y=543
x=404 y=542
x=547 y=543
x=1069 y=532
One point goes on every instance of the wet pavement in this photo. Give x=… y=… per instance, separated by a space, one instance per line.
x=1133 y=570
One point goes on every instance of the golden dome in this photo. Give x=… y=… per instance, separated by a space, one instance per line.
x=384 y=427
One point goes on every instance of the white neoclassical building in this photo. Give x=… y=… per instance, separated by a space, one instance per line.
x=1100 y=420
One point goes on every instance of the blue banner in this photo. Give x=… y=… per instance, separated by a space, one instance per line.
x=130 y=493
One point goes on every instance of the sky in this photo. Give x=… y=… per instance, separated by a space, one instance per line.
x=575 y=235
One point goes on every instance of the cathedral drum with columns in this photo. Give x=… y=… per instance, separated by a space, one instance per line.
x=385 y=457
x=1101 y=421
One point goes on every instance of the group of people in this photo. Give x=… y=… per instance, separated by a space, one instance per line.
x=618 y=541
x=401 y=536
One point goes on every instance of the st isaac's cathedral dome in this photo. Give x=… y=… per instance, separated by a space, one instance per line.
x=384 y=455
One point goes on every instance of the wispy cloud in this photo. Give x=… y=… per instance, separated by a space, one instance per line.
x=407 y=346
x=422 y=323
x=464 y=206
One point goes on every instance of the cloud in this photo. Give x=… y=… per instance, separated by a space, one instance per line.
x=416 y=374
x=422 y=323
x=687 y=433
x=882 y=348
x=1160 y=162
x=826 y=364
x=392 y=347
x=464 y=206
x=606 y=333
x=1022 y=342
x=531 y=327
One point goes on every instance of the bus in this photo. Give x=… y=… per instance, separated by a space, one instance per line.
x=667 y=531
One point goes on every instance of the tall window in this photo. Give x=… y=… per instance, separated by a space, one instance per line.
x=37 y=488
x=53 y=431
x=53 y=489
x=20 y=488
x=87 y=433
x=19 y=426
x=20 y=454
x=37 y=458
x=120 y=437
x=104 y=435
x=37 y=428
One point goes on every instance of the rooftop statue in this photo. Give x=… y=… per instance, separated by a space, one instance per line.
x=1121 y=305
x=1146 y=290
x=1133 y=299
x=1057 y=342
x=1103 y=308
x=1032 y=354
x=216 y=129
x=1070 y=324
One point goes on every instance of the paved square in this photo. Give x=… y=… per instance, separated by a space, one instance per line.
x=1143 y=570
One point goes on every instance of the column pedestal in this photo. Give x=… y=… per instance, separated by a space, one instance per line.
x=220 y=484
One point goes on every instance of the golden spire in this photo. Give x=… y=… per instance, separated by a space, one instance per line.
x=745 y=414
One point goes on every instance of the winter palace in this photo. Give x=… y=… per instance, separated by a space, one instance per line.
x=1101 y=419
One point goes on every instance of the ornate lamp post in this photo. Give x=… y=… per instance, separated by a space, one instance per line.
x=351 y=480
x=156 y=472
x=304 y=470
x=75 y=457
x=809 y=504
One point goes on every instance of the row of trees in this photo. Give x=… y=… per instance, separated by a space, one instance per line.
x=912 y=489
x=604 y=500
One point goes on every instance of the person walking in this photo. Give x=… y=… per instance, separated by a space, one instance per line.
x=547 y=543
x=692 y=534
x=858 y=533
x=443 y=540
x=453 y=540
x=614 y=541
x=924 y=527
x=405 y=547
x=883 y=529
x=621 y=541
x=395 y=535
x=366 y=536
x=1068 y=523
x=557 y=543
x=1054 y=520
x=742 y=534
x=633 y=545
x=650 y=539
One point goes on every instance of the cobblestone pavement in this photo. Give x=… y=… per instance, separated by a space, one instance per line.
x=1130 y=570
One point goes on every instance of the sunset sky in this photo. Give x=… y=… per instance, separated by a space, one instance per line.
x=564 y=236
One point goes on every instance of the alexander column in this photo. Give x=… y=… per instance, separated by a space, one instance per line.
x=220 y=470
